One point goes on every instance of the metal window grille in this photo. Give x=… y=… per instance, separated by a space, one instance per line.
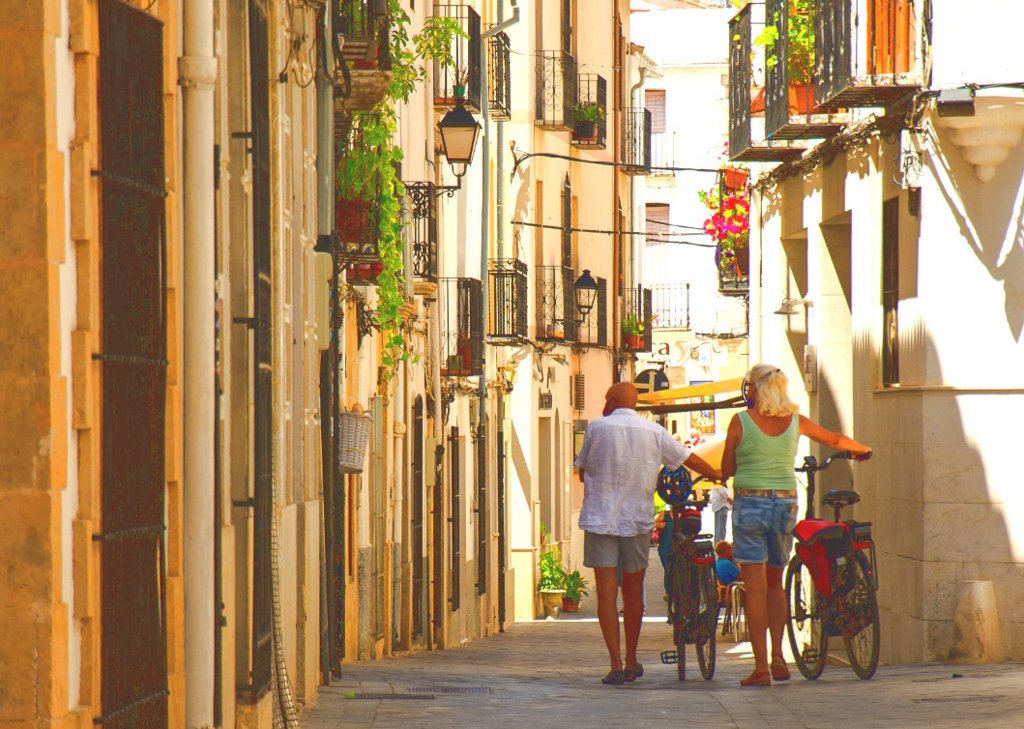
x=556 y=305
x=556 y=91
x=776 y=88
x=636 y=141
x=735 y=281
x=507 y=313
x=663 y=151
x=499 y=77
x=421 y=230
x=455 y=520
x=462 y=342
x=263 y=425
x=671 y=306
x=592 y=94
x=579 y=391
x=466 y=58
x=133 y=689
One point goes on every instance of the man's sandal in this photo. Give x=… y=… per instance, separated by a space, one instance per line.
x=614 y=678
x=632 y=674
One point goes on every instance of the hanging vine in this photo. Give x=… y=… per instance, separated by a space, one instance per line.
x=369 y=167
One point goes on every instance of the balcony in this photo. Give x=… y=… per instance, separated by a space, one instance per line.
x=556 y=91
x=363 y=78
x=671 y=306
x=637 y=320
x=591 y=112
x=358 y=226
x=663 y=156
x=593 y=330
x=741 y=81
x=636 y=141
x=556 y=304
x=735 y=280
x=421 y=229
x=865 y=54
x=462 y=342
x=791 y=110
x=499 y=78
x=466 y=58
x=507 y=315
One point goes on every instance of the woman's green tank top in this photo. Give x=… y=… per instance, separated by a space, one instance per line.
x=765 y=461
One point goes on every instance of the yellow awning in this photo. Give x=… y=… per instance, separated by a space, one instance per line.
x=681 y=393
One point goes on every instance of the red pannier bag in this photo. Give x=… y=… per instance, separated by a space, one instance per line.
x=819 y=544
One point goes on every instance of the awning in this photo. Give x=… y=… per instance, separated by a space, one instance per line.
x=675 y=400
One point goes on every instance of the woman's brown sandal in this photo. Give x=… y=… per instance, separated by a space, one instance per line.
x=780 y=671
x=758 y=678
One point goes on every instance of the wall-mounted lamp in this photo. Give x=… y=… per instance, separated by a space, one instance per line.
x=955 y=102
x=788 y=307
x=459 y=133
x=585 y=294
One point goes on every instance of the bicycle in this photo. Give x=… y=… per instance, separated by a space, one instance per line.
x=831 y=583
x=689 y=576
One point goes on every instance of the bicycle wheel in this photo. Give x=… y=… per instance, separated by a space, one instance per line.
x=676 y=588
x=861 y=634
x=804 y=624
x=708 y=622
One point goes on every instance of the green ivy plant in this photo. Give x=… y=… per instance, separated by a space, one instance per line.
x=368 y=170
x=800 y=33
x=552 y=573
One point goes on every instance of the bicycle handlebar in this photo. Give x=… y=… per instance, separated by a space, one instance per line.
x=811 y=464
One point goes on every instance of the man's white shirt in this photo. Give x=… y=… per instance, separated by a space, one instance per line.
x=621 y=457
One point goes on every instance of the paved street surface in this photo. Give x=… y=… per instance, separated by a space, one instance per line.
x=547 y=674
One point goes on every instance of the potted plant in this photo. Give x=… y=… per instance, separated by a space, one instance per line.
x=588 y=114
x=575 y=590
x=735 y=178
x=728 y=226
x=633 y=330
x=799 y=53
x=551 y=584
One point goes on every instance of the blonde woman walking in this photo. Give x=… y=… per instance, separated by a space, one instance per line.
x=760 y=452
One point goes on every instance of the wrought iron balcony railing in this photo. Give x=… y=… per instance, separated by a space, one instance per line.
x=466 y=58
x=864 y=52
x=499 y=77
x=791 y=111
x=508 y=310
x=734 y=281
x=366 y=36
x=741 y=83
x=637 y=320
x=556 y=304
x=421 y=229
x=593 y=329
x=556 y=91
x=663 y=152
x=671 y=306
x=591 y=112
x=636 y=141
x=462 y=341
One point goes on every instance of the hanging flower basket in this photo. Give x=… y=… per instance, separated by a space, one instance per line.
x=354 y=439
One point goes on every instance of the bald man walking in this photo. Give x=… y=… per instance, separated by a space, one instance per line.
x=619 y=463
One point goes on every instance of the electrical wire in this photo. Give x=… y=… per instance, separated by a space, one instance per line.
x=599 y=231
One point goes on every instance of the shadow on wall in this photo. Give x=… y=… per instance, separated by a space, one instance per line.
x=992 y=223
x=932 y=492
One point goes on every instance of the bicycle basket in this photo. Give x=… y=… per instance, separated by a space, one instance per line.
x=674 y=486
x=819 y=545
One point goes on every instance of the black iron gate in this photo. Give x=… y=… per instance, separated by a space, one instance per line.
x=263 y=494
x=134 y=356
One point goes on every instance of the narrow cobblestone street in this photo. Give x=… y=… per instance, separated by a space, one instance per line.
x=546 y=674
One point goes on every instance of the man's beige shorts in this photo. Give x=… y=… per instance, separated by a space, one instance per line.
x=608 y=550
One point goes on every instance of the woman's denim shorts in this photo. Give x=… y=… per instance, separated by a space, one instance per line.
x=762 y=529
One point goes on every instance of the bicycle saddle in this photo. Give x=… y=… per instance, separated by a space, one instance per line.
x=840 y=498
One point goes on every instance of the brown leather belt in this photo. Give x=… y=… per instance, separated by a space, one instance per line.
x=768 y=493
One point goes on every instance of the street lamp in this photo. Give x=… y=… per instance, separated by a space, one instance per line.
x=459 y=134
x=585 y=294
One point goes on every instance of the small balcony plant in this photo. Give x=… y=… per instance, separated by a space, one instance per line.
x=633 y=330
x=588 y=114
x=575 y=589
x=728 y=225
x=799 y=53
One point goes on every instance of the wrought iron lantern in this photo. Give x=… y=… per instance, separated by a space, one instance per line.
x=459 y=134
x=585 y=290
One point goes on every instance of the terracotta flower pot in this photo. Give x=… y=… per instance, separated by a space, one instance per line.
x=635 y=341
x=569 y=605
x=734 y=179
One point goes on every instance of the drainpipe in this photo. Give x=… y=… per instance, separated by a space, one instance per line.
x=197 y=73
x=485 y=210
